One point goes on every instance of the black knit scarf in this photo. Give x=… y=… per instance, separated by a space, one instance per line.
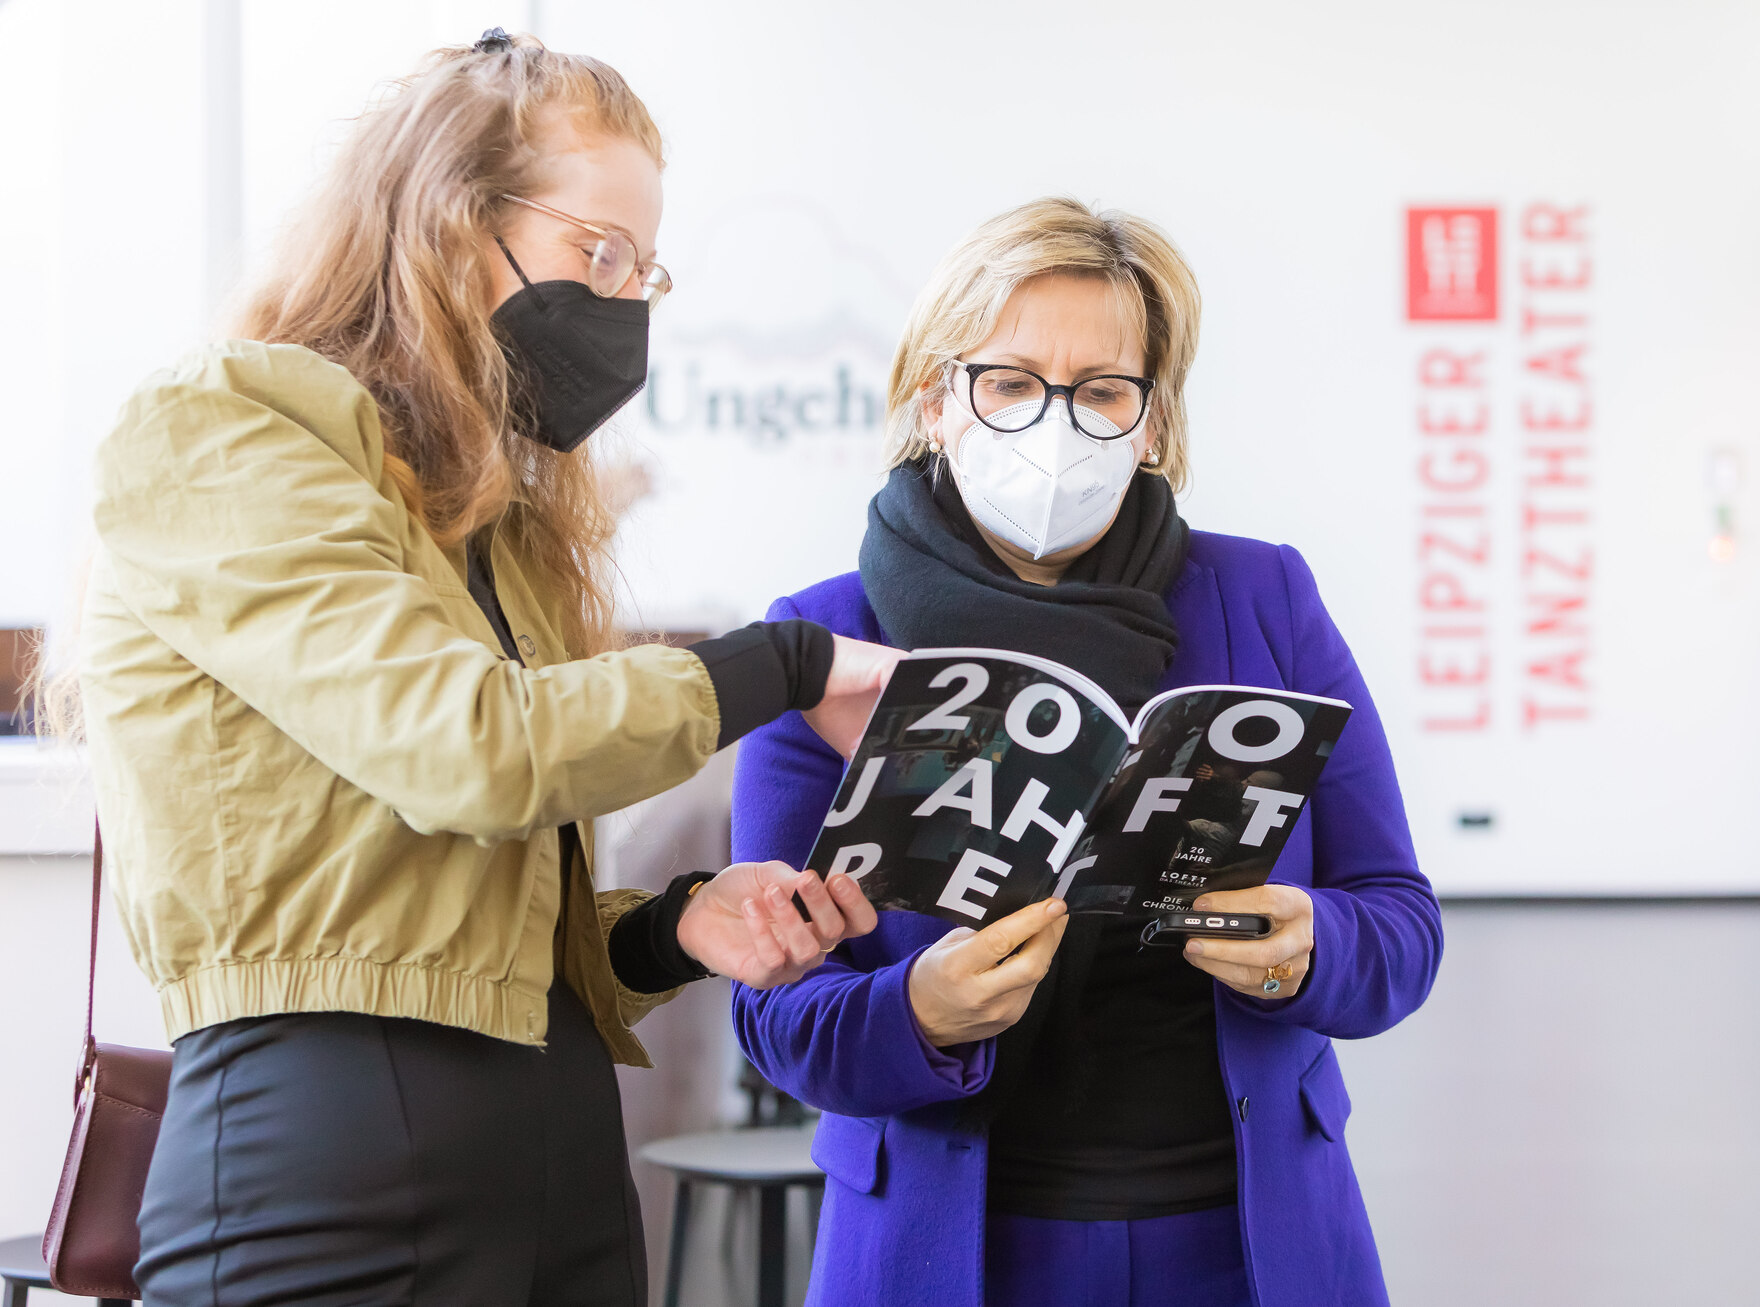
x=933 y=581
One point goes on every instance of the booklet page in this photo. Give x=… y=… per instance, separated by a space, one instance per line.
x=970 y=788
x=1205 y=801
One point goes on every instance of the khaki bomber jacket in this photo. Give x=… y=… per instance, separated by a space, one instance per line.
x=323 y=788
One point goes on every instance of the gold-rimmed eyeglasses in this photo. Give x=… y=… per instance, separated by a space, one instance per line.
x=611 y=260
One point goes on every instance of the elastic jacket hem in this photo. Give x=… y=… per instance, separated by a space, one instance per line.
x=277 y=986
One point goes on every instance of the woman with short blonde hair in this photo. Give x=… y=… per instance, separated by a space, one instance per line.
x=1153 y=290
x=1046 y=1112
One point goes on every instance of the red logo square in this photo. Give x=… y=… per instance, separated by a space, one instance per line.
x=1451 y=265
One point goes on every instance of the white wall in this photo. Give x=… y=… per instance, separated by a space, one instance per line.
x=30 y=312
x=822 y=159
x=1568 y=1120
x=102 y=233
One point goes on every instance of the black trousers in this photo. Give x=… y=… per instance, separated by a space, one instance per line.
x=337 y=1159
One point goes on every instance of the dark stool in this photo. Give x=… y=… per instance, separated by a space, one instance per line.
x=22 y=1269
x=768 y=1159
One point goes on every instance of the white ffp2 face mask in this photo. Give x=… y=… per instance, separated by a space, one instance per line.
x=1046 y=488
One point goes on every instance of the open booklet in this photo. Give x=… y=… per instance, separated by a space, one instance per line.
x=989 y=780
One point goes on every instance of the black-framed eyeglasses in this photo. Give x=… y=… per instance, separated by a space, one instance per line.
x=1008 y=399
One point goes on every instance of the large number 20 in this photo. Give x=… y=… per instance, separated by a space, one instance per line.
x=976 y=679
x=945 y=718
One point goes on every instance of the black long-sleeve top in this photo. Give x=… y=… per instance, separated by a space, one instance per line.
x=1119 y=1111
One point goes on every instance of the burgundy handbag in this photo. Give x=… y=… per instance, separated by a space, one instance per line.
x=93 y=1241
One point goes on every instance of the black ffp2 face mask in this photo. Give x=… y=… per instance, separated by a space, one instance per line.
x=577 y=358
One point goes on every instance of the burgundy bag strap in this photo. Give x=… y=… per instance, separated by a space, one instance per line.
x=89 y=1050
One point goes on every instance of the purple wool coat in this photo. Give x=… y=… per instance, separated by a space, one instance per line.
x=904 y=1214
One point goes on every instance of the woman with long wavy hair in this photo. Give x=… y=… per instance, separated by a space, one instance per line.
x=353 y=698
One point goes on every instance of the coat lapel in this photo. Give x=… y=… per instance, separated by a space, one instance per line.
x=1204 y=656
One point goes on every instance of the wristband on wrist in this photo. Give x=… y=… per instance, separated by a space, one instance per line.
x=644 y=947
x=763 y=670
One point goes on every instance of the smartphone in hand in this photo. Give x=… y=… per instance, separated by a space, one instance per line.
x=1172 y=930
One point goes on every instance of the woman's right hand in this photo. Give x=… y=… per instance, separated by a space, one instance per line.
x=859 y=672
x=971 y=984
x=744 y=922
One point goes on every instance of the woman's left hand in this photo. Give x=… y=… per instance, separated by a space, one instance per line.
x=1241 y=964
x=744 y=923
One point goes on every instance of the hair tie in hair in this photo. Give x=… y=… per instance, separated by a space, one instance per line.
x=493 y=41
